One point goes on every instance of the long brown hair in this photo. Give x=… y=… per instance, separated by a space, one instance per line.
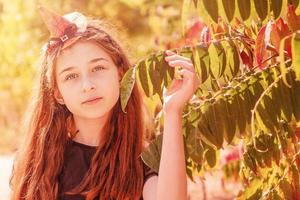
x=40 y=159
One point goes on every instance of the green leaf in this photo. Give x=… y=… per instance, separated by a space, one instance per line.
x=162 y=66
x=151 y=155
x=211 y=157
x=298 y=9
x=268 y=104
x=244 y=8
x=254 y=190
x=144 y=79
x=194 y=117
x=283 y=140
x=195 y=3
x=296 y=54
x=276 y=152
x=255 y=156
x=187 y=52
x=227 y=119
x=215 y=124
x=200 y=68
x=283 y=67
x=127 y=85
x=241 y=114
x=211 y=6
x=250 y=162
x=232 y=60
x=189 y=172
x=262 y=8
x=229 y=8
x=231 y=121
x=193 y=143
x=263 y=119
x=206 y=134
x=204 y=63
x=286 y=106
x=186 y=5
x=276 y=7
x=217 y=59
x=275 y=95
x=249 y=103
x=295 y=96
x=155 y=77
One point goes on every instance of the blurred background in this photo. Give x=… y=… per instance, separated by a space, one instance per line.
x=146 y=25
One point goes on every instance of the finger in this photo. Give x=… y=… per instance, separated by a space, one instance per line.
x=183 y=64
x=169 y=53
x=177 y=57
x=189 y=78
x=186 y=74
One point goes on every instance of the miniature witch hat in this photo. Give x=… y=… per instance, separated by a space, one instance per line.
x=55 y=23
x=63 y=28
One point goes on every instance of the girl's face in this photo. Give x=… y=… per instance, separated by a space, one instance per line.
x=87 y=80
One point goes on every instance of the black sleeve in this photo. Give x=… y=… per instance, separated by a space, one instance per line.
x=148 y=173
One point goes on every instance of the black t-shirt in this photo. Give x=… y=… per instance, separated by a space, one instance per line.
x=77 y=162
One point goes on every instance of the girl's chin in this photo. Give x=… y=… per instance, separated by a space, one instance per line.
x=92 y=113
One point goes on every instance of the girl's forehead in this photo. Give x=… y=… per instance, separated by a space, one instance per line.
x=81 y=52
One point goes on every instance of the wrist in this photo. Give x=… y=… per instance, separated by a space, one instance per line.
x=172 y=111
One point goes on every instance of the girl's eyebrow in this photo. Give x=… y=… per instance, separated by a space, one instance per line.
x=97 y=59
x=66 y=69
x=91 y=61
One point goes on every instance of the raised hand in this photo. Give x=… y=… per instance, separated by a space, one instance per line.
x=181 y=90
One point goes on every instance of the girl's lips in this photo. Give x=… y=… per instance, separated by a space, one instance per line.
x=92 y=101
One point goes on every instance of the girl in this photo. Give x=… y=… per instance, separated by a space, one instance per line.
x=80 y=145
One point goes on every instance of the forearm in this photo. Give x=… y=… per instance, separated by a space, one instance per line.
x=172 y=181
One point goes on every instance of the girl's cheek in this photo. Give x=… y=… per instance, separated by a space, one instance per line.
x=100 y=74
x=70 y=85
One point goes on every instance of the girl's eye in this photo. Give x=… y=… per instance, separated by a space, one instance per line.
x=98 y=68
x=70 y=76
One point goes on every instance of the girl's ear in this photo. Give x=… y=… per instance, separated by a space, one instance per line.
x=58 y=97
x=120 y=74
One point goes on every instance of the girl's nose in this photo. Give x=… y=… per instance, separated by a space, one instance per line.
x=88 y=85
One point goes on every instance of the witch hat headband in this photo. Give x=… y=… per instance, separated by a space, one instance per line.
x=64 y=30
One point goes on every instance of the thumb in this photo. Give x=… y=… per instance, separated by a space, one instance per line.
x=176 y=83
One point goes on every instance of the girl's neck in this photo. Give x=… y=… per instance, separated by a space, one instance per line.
x=90 y=130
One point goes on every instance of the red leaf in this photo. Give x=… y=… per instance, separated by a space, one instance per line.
x=246 y=59
x=194 y=31
x=283 y=28
x=230 y=154
x=293 y=19
x=275 y=37
x=218 y=30
x=260 y=50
